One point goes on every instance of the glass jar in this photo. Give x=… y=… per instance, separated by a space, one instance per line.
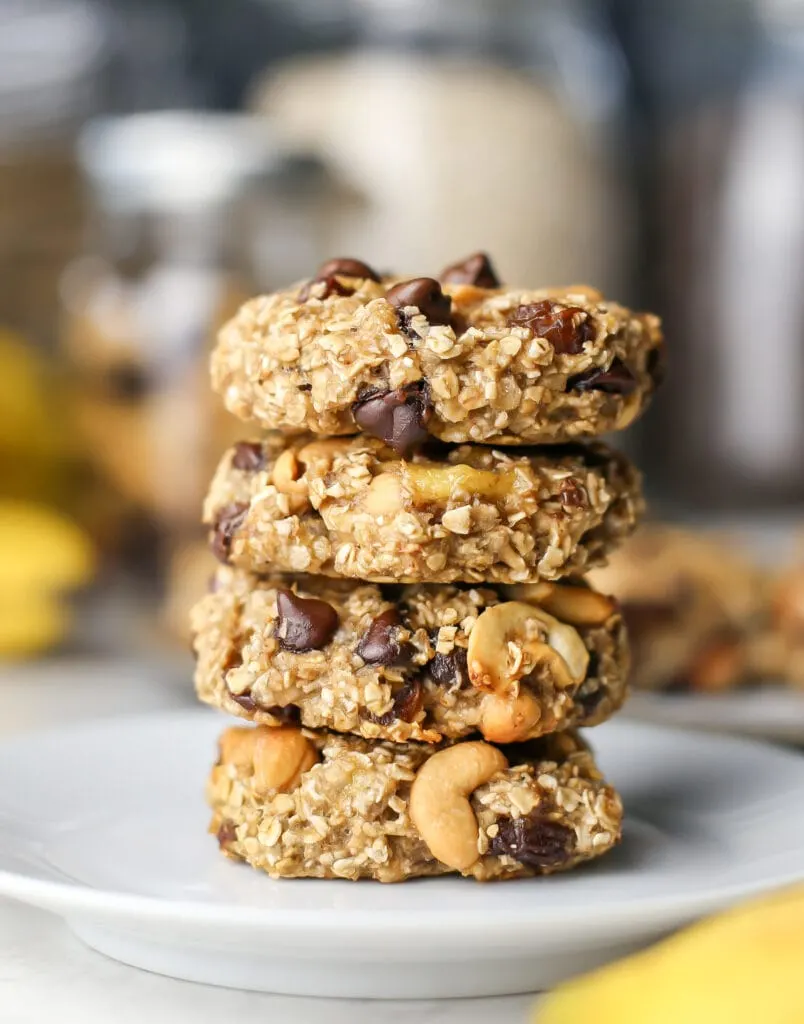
x=463 y=124
x=181 y=228
x=727 y=217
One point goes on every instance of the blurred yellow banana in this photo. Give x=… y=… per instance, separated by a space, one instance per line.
x=742 y=967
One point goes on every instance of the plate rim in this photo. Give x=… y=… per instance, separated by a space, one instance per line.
x=356 y=927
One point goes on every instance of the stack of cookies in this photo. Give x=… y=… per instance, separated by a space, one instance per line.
x=401 y=610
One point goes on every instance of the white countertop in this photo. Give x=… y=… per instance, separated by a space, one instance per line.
x=47 y=974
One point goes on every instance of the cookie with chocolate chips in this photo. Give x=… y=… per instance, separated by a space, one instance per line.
x=460 y=358
x=401 y=663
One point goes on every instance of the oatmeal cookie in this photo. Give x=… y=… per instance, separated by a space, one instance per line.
x=460 y=358
x=777 y=648
x=319 y=805
x=410 y=662
x=352 y=507
x=693 y=607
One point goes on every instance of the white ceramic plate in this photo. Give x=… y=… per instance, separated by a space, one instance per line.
x=104 y=823
x=768 y=712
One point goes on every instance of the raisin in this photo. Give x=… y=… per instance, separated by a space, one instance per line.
x=534 y=840
x=450 y=669
x=248 y=456
x=228 y=520
x=567 y=328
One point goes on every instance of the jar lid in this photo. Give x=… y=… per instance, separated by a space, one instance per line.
x=177 y=159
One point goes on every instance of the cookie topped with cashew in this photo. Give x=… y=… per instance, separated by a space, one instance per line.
x=458 y=357
x=410 y=662
x=331 y=806
x=354 y=507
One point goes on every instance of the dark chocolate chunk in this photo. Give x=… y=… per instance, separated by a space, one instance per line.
x=617 y=380
x=329 y=273
x=475 y=269
x=398 y=417
x=567 y=328
x=534 y=840
x=245 y=700
x=450 y=669
x=332 y=286
x=380 y=645
x=248 y=456
x=424 y=293
x=343 y=266
x=288 y=715
x=227 y=522
x=304 y=623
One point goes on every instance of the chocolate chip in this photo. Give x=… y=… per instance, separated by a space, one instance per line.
x=328 y=275
x=407 y=705
x=424 y=293
x=288 y=715
x=617 y=380
x=345 y=267
x=304 y=623
x=248 y=456
x=398 y=417
x=450 y=669
x=332 y=286
x=228 y=520
x=475 y=269
x=245 y=700
x=534 y=841
x=380 y=645
x=567 y=328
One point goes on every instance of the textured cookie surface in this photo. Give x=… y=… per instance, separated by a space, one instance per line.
x=318 y=805
x=469 y=361
x=410 y=662
x=353 y=507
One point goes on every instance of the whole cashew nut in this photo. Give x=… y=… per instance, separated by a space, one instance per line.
x=439 y=804
x=511 y=720
x=281 y=756
x=579 y=606
x=237 y=746
x=489 y=658
x=286 y=473
x=278 y=757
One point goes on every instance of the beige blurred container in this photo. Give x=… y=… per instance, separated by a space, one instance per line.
x=465 y=124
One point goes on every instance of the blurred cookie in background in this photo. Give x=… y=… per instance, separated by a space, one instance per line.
x=694 y=606
x=778 y=653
